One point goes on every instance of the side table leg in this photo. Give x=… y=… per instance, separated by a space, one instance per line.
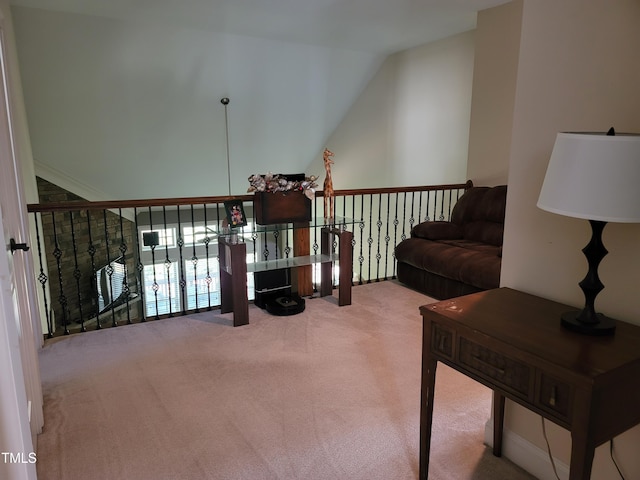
x=426 y=412
x=582 y=447
x=498 y=422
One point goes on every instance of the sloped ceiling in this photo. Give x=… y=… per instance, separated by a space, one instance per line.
x=123 y=97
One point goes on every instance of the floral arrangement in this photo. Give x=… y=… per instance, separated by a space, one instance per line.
x=273 y=183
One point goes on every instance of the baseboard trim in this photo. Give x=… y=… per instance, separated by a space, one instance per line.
x=526 y=455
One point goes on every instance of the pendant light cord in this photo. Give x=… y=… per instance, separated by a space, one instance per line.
x=225 y=101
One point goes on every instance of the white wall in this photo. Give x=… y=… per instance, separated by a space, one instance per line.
x=411 y=124
x=494 y=90
x=127 y=109
x=578 y=70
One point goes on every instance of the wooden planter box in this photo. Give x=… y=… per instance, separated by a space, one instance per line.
x=281 y=207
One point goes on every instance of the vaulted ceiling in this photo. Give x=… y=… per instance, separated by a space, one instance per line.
x=123 y=96
x=376 y=26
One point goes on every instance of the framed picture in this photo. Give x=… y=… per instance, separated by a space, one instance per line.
x=235 y=213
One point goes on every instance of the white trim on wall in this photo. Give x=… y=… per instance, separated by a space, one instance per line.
x=66 y=181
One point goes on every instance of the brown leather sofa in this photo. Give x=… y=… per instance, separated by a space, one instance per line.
x=449 y=259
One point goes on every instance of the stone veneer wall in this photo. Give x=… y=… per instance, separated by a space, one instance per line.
x=73 y=290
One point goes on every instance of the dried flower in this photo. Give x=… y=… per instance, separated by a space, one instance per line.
x=275 y=183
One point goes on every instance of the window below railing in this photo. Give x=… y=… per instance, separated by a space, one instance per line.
x=104 y=264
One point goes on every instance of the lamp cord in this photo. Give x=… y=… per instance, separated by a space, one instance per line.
x=614 y=460
x=553 y=464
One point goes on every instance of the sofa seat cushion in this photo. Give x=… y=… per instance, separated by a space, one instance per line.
x=465 y=261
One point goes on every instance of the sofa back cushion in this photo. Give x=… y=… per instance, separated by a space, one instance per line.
x=465 y=208
x=481 y=214
x=486 y=232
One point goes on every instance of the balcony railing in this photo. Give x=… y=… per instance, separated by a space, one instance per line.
x=104 y=264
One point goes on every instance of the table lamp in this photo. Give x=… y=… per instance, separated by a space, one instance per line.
x=594 y=176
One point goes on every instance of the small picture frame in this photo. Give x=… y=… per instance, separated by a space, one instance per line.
x=235 y=213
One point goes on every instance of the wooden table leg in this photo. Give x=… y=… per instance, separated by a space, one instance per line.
x=346 y=268
x=426 y=413
x=582 y=448
x=326 y=280
x=302 y=247
x=581 y=461
x=498 y=422
x=233 y=281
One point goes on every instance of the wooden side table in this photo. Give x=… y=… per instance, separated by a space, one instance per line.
x=513 y=343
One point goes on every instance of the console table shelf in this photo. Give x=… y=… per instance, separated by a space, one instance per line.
x=290 y=262
x=234 y=268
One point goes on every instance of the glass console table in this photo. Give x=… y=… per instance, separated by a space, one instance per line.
x=234 y=267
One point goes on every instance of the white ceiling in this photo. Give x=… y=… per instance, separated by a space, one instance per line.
x=376 y=26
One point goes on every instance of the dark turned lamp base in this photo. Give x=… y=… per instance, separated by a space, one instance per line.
x=604 y=326
x=587 y=321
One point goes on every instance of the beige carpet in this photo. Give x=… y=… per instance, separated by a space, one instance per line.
x=332 y=393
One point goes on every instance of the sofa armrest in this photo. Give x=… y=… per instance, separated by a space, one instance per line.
x=437 y=231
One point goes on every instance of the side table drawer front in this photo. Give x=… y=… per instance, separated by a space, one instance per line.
x=442 y=340
x=506 y=371
x=554 y=396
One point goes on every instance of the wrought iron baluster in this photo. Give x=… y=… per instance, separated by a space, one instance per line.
x=154 y=286
x=387 y=238
x=194 y=262
x=109 y=268
x=77 y=274
x=207 y=240
x=395 y=220
x=403 y=232
x=441 y=218
x=254 y=240
x=91 y=250
x=435 y=205
x=123 y=251
x=57 y=254
x=42 y=278
x=353 y=237
x=276 y=235
x=287 y=246
x=139 y=268
x=219 y=220
x=265 y=248
x=362 y=226
x=426 y=207
x=412 y=218
x=379 y=231
x=370 y=238
x=167 y=262
x=182 y=282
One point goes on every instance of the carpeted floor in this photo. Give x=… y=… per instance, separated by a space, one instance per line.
x=332 y=393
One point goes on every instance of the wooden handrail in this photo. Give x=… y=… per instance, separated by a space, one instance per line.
x=159 y=202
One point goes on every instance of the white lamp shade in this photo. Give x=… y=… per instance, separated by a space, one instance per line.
x=594 y=176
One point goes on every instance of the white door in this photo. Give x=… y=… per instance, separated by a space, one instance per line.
x=20 y=387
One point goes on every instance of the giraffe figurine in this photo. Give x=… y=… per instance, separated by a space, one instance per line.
x=328 y=187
